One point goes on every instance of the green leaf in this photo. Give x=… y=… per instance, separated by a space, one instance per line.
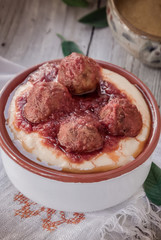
x=97 y=18
x=152 y=184
x=61 y=37
x=68 y=47
x=76 y=3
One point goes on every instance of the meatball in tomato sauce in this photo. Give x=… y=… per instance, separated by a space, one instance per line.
x=80 y=135
x=44 y=98
x=121 y=118
x=79 y=73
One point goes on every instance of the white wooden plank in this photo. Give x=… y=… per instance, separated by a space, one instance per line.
x=30 y=29
x=152 y=78
x=101 y=45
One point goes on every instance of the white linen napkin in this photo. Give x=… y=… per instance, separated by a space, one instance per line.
x=20 y=218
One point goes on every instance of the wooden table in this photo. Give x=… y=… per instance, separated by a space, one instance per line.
x=28 y=36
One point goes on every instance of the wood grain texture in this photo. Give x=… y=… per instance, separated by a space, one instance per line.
x=28 y=36
x=28 y=29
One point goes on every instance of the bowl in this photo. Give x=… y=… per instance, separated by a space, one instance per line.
x=81 y=192
x=142 y=45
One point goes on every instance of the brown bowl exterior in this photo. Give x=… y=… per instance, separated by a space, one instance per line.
x=8 y=146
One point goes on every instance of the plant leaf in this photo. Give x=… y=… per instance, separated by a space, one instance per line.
x=61 y=37
x=68 y=47
x=97 y=18
x=152 y=184
x=76 y=3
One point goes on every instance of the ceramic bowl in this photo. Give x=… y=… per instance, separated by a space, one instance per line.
x=144 y=46
x=74 y=191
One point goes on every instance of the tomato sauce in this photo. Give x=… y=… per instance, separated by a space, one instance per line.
x=90 y=103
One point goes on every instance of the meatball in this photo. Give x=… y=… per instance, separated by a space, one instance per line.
x=44 y=98
x=80 y=74
x=80 y=135
x=121 y=118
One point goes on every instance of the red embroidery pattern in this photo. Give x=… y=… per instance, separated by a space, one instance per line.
x=30 y=209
